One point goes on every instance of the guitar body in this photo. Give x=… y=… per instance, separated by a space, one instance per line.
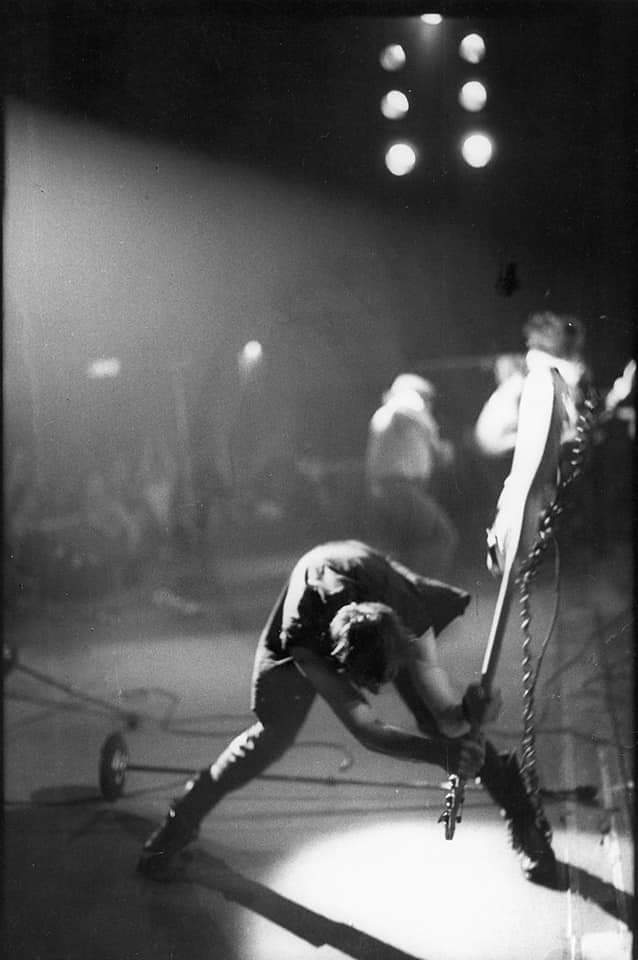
x=528 y=491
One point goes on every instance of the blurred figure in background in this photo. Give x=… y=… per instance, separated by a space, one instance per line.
x=612 y=495
x=620 y=400
x=405 y=456
x=495 y=429
x=555 y=342
x=552 y=340
x=157 y=478
x=112 y=533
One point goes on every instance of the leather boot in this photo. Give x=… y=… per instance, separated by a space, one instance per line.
x=181 y=825
x=529 y=831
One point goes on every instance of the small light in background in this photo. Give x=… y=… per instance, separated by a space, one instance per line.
x=473 y=96
x=253 y=351
x=400 y=159
x=249 y=357
x=472 y=48
x=432 y=19
x=392 y=57
x=477 y=150
x=105 y=367
x=394 y=105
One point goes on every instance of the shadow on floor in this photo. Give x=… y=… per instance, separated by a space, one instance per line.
x=316 y=929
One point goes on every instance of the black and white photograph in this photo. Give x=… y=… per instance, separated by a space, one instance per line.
x=318 y=425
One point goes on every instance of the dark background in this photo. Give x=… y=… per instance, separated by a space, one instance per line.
x=181 y=178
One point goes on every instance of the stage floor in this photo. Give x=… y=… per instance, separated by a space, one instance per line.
x=287 y=869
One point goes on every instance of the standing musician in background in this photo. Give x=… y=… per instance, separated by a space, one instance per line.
x=405 y=456
x=349 y=621
x=553 y=341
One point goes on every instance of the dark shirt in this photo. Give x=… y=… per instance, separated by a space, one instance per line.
x=334 y=574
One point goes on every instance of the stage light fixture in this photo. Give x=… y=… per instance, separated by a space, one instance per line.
x=432 y=19
x=104 y=368
x=472 y=48
x=252 y=351
x=392 y=57
x=394 y=105
x=477 y=149
x=473 y=96
x=400 y=159
x=249 y=359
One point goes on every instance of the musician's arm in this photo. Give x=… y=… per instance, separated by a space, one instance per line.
x=452 y=710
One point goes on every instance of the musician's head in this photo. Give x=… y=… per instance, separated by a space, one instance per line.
x=411 y=383
x=370 y=644
x=560 y=334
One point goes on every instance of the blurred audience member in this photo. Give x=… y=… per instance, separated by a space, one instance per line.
x=157 y=476
x=620 y=400
x=114 y=531
x=404 y=457
x=612 y=495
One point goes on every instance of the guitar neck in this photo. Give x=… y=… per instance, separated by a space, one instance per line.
x=497 y=631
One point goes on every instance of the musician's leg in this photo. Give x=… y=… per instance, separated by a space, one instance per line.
x=529 y=830
x=281 y=699
x=530 y=833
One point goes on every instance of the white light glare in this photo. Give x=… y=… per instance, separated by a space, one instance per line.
x=249 y=359
x=473 y=96
x=106 y=367
x=432 y=19
x=392 y=57
x=394 y=105
x=252 y=351
x=472 y=48
x=400 y=159
x=477 y=150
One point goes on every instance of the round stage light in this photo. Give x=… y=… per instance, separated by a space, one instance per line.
x=249 y=358
x=394 y=105
x=432 y=19
x=392 y=57
x=477 y=150
x=473 y=96
x=252 y=351
x=472 y=48
x=400 y=159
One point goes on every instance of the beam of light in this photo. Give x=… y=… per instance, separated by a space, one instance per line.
x=103 y=368
x=472 y=48
x=473 y=96
x=400 y=159
x=392 y=57
x=398 y=880
x=477 y=150
x=432 y=19
x=394 y=105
